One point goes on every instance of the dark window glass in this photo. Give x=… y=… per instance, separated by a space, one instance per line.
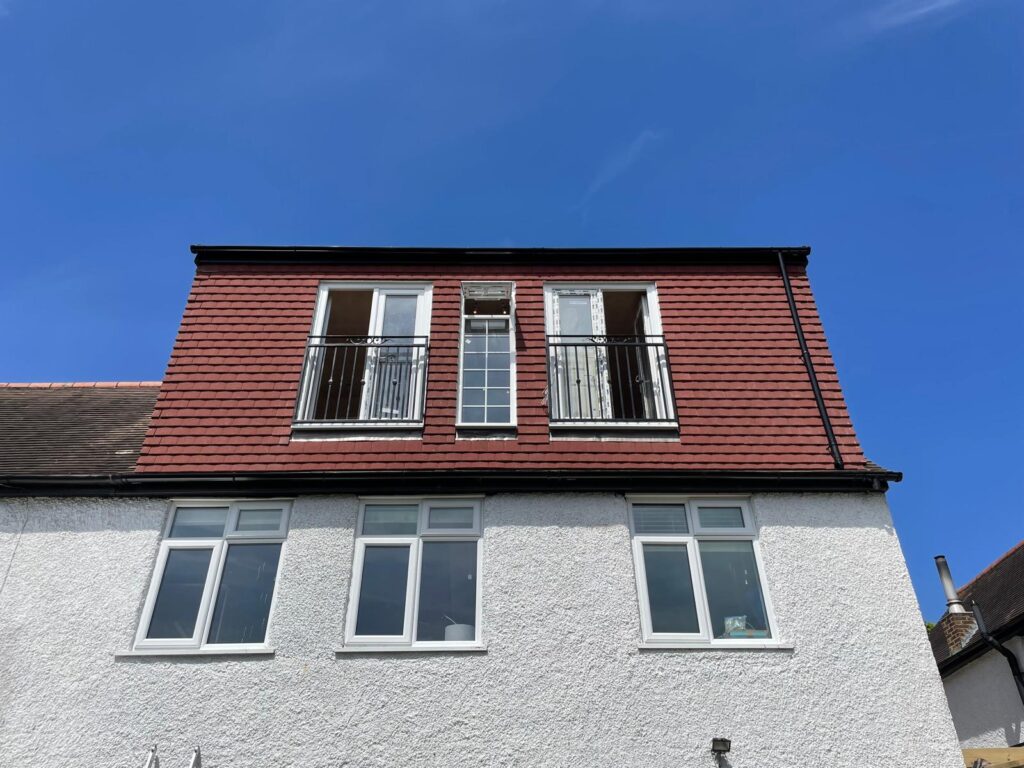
x=199 y=523
x=734 y=589
x=243 y=598
x=382 y=589
x=670 y=588
x=447 y=608
x=181 y=591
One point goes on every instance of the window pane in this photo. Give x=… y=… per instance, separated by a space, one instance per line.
x=258 y=520
x=181 y=591
x=381 y=608
x=473 y=396
x=199 y=522
x=734 y=590
x=399 y=316
x=721 y=517
x=384 y=519
x=472 y=415
x=574 y=318
x=474 y=378
x=450 y=517
x=670 y=588
x=447 y=607
x=243 y=598
x=659 y=518
x=499 y=415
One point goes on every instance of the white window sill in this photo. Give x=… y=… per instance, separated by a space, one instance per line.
x=431 y=648
x=222 y=651
x=721 y=645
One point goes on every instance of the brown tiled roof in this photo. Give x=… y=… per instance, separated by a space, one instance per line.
x=85 y=428
x=745 y=402
x=999 y=591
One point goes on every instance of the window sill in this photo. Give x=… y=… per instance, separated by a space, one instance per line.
x=141 y=652
x=386 y=648
x=723 y=645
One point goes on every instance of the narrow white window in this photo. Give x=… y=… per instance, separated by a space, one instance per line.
x=699 y=573
x=487 y=393
x=366 y=358
x=607 y=359
x=416 y=575
x=215 y=578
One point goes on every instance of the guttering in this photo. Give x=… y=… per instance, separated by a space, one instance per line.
x=833 y=445
x=979 y=647
x=336 y=254
x=491 y=481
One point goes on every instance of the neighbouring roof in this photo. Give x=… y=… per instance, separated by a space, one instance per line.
x=84 y=428
x=999 y=591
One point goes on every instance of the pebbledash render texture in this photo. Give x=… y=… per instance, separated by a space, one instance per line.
x=527 y=507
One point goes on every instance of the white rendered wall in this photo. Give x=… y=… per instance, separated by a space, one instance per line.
x=562 y=683
x=984 y=702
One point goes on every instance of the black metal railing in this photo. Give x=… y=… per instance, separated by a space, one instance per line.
x=363 y=380
x=609 y=379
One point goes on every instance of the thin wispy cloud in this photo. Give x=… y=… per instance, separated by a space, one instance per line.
x=616 y=165
x=898 y=14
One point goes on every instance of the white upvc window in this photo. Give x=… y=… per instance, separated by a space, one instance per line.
x=700 y=579
x=366 y=357
x=416 y=575
x=487 y=364
x=215 y=579
x=607 y=357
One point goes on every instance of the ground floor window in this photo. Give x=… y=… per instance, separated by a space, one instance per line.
x=216 y=573
x=416 y=574
x=699 y=573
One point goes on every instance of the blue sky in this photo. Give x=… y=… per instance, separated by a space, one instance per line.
x=887 y=134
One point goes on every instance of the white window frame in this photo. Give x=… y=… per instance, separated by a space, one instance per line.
x=703 y=638
x=664 y=393
x=312 y=371
x=219 y=546
x=513 y=419
x=406 y=641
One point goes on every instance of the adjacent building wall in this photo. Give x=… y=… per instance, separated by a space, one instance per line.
x=561 y=684
x=984 y=702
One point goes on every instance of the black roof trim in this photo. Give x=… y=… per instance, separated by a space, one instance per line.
x=975 y=648
x=494 y=481
x=332 y=254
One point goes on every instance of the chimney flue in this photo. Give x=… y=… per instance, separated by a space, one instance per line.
x=953 y=603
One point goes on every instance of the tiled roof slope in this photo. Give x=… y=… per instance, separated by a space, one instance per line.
x=999 y=591
x=93 y=428
x=743 y=395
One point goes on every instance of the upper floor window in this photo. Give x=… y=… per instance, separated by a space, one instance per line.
x=366 y=360
x=699 y=574
x=215 y=578
x=416 y=575
x=487 y=386
x=607 y=360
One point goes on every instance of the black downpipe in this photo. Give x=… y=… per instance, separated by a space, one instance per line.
x=995 y=645
x=833 y=446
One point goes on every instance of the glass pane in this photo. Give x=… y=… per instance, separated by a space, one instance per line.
x=472 y=396
x=574 y=318
x=181 y=591
x=447 y=607
x=474 y=378
x=381 y=608
x=659 y=518
x=473 y=415
x=399 y=316
x=499 y=415
x=670 y=588
x=243 y=598
x=388 y=519
x=475 y=360
x=734 y=589
x=495 y=379
x=721 y=517
x=199 y=522
x=450 y=517
x=259 y=520
x=497 y=397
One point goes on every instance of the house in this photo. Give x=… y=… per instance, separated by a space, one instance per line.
x=400 y=506
x=981 y=664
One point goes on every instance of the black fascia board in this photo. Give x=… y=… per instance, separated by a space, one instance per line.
x=447 y=482
x=303 y=254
